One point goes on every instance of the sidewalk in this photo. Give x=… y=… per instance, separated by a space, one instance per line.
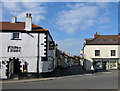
x=28 y=80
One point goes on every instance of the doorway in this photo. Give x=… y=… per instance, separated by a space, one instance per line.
x=13 y=68
x=104 y=65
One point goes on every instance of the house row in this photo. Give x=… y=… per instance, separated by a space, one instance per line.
x=102 y=51
x=27 y=48
x=62 y=57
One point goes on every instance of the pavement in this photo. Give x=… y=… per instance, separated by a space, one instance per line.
x=27 y=80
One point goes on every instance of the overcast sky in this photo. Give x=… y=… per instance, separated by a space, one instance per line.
x=68 y=22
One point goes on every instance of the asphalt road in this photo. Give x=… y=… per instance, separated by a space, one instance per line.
x=99 y=80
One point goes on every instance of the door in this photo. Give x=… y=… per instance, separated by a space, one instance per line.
x=104 y=65
x=13 y=68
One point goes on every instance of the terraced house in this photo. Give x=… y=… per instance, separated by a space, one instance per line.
x=102 y=52
x=25 y=48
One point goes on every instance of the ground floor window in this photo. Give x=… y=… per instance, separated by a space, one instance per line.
x=112 y=64
x=105 y=64
x=25 y=67
x=50 y=63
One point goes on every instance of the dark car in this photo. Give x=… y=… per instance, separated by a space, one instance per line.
x=64 y=66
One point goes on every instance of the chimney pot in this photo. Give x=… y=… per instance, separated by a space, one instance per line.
x=26 y=14
x=14 y=19
x=30 y=15
x=96 y=35
x=28 y=22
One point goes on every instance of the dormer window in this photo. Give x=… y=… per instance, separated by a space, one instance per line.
x=98 y=40
x=104 y=40
x=115 y=40
x=16 y=36
x=110 y=39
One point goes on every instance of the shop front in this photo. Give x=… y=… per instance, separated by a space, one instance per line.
x=105 y=63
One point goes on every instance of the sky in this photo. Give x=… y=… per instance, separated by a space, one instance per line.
x=69 y=23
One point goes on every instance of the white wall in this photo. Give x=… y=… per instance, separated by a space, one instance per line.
x=28 y=44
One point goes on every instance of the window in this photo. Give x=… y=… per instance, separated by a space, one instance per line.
x=104 y=40
x=98 y=40
x=0 y=65
x=43 y=58
x=115 y=40
x=110 y=39
x=51 y=45
x=16 y=36
x=14 y=49
x=112 y=52
x=25 y=67
x=97 y=52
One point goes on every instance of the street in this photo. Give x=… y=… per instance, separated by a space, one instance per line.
x=99 y=80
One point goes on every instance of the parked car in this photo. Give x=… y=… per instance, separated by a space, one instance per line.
x=64 y=66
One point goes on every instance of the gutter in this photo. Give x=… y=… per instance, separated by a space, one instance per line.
x=38 y=57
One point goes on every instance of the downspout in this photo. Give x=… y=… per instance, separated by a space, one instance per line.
x=38 y=57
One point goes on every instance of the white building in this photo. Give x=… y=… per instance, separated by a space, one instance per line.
x=25 y=48
x=102 y=52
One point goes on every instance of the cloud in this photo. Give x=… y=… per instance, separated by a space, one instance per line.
x=104 y=27
x=11 y=6
x=19 y=9
x=0 y=11
x=72 y=46
x=102 y=5
x=102 y=20
x=80 y=16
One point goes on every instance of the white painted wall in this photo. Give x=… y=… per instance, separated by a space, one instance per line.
x=105 y=52
x=28 y=44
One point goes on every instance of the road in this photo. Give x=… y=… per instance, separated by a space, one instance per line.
x=99 y=80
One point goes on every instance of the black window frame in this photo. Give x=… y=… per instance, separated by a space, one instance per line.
x=51 y=45
x=97 y=52
x=99 y=40
x=14 y=36
x=113 y=53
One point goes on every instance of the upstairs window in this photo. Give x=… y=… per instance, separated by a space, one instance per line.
x=115 y=40
x=15 y=36
x=112 y=52
x=51 y=45
x=110 y=39
x=98 y=40
x=104 y=40
x=97 y=52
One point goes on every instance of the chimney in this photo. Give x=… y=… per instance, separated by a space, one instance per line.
x=28 y=22
x=14 y=19
x=96 y=35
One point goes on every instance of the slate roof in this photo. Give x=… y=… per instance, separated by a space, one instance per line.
x=104 y=39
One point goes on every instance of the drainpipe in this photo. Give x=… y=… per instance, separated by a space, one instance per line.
x=38 y=57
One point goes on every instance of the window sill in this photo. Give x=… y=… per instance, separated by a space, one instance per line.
x=15 y=39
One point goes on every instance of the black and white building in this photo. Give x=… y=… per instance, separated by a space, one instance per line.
x=25 y=48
